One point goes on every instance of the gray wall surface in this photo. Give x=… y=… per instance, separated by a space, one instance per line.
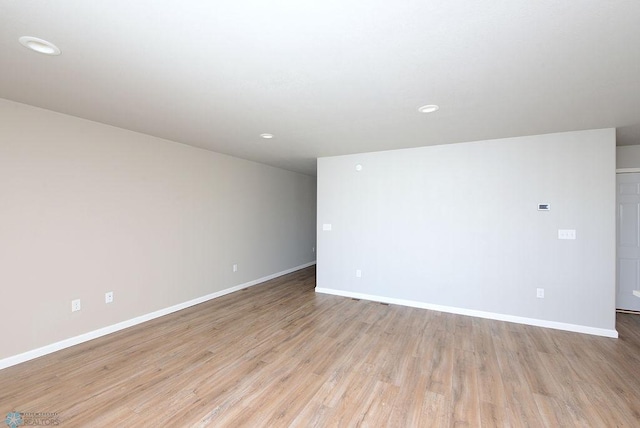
x=87 y=208
x=458 y=226
x=628 y=157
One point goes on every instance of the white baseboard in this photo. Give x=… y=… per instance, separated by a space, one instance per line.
x=473 y=313
x=66 y=343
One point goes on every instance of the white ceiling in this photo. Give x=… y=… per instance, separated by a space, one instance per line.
x=329 y=77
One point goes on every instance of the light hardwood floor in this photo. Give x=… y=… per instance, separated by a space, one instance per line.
x=278 y=355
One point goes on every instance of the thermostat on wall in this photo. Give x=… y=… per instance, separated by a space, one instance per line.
x=544 y=207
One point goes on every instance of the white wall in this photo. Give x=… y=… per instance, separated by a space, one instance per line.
x=456 y=227
x=628 y=157
x=87 y=208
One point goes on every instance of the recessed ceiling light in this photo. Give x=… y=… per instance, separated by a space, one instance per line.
x=428 y=108
x=266 y=136
x=39 y=45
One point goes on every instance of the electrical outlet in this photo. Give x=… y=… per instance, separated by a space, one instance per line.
x=540 y=293
x=75 y=305
x=235 y=268
x=108 y=297
x=358 y=273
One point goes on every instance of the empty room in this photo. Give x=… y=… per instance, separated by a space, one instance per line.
x=320 y=213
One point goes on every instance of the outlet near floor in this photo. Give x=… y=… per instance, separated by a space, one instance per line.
x=75 y=305
x=108 y=297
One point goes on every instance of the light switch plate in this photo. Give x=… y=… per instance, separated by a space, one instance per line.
x=566 y=234
x=326 y=227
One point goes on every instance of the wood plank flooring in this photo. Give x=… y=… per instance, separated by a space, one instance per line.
x=279 y=355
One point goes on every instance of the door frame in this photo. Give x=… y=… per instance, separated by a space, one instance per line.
x=622 y=171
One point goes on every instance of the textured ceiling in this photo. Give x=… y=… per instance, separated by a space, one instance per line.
x=329 y=77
